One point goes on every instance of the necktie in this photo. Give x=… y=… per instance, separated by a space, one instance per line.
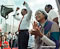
x=20 y=24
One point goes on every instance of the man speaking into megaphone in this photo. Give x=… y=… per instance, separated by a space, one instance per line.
x=23 y=26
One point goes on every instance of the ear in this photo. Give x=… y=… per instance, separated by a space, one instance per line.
x=26 y=12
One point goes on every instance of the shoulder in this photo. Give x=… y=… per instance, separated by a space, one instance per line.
x=55 y=27
x=52 y=10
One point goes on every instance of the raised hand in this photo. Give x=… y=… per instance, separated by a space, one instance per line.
x=35 y=28
x=17 y=8
x=17 y=13
x=24 y=3
x=35 y=25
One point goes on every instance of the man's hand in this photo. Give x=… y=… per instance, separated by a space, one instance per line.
x=17 y=8
x=24 y=3
x=17 y=13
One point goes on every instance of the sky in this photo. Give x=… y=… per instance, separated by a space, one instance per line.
x=33 y=4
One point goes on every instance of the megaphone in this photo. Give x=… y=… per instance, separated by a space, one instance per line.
x=5 y=11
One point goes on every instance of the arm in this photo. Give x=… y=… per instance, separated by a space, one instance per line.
x=29 y=12
x=16 y=15
x=45 y=39
x=56 y=20
x=55 y=34
x=36 y=31
x=48 y=41
x=53 y=15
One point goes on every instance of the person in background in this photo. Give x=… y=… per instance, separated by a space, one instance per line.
x=52 y=14
x=9 y=35
x=16 y=40
x=46 y=32
x=24 y=26
x=5 y=43
x=0 y=41
x=6 y=34
x=9 y=38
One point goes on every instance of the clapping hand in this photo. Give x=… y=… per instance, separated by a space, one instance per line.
x=36 y=30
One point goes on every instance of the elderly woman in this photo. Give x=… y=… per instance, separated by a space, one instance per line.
x=46 y=32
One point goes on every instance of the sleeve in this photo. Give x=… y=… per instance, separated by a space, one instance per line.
x=55 y=31
x=16 y=16
x=55 y=34
x=55 y=27
x=48 y=41
x=53 y=14
x=29 y=12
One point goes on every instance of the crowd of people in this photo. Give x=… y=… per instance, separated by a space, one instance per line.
x=45 y=29
x=9 y=40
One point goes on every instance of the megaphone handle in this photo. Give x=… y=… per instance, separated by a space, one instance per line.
x=7 y=17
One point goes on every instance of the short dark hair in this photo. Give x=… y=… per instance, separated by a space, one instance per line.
x=9 y=32
x=49 y=6
x=25 y=10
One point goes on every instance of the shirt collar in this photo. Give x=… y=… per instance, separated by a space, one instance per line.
x=43 y=23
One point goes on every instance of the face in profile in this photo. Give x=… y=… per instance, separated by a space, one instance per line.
x=39 y=16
